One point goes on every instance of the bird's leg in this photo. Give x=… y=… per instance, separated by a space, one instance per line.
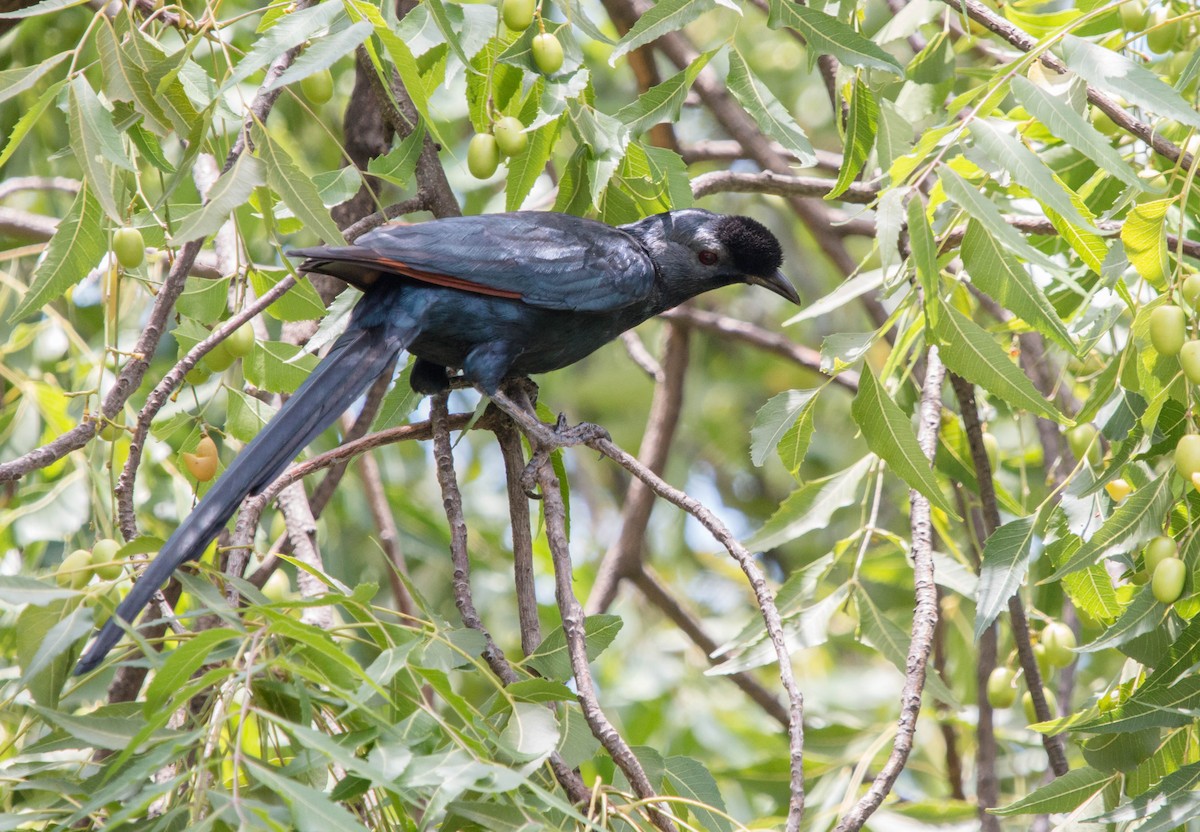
x=428 y=377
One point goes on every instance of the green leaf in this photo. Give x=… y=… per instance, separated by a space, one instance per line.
x=246 y=415
x=398 y=165
x=21 y=589
x=300 y=303
x=1090 y=247
x=1141 y=616
x=179 y=666
x=13 y=82
x=807 y=628
x=1182 y=657
x=1144 y=234
x=526 y=168
x=892 y=642
x=228 y=193
x=1062 y=794
x=860 y=133
x=291 y=30
x=971 y=199
x=811 y=506
x=662 y=102
x=1006 y=558
x=95 y=143
x=1168 y=791
x=402 y=58
x=1168 y=707
x=1134 y=521
x=793 y=445
x=44 y=7
x=972 y=353
x=770 y=115
x=531 y=732
x=45 y=640
x=1117 y=74
x=689 y=778
x=25 y=123
x=826 y=35
x=1063 y=121
x=889 y=435
x=551 y=660
x=663 y=17
x=775 y=419
x=1089 y=589
x=924 y=252
x=323 y=53
x=77 y=246
x=109 y=726
x=296 y=189
x=1026 y=169
x=1002 y=276
x=312 y=810
x=274 y=366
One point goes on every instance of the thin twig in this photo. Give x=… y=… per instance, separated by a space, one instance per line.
x=770 y=182
x=924 y=616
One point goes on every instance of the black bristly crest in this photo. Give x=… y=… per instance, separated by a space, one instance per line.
x=755 y=250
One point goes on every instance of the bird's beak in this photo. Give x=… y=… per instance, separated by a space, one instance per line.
x=778 y=284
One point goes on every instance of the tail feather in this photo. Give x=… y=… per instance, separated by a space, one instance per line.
x=354 y=362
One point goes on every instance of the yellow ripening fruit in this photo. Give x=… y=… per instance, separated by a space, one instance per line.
x=318 y=87
x=1169 y=577
x=510 y=136
x=1001 y=692
x=1168 y=329
x=517 y=14
x=1187 y=455
x=129 y=247
x=75 y=570
x=104 y=559
x=202 y=464
x=1118 y=489
x=547 y=53
x=1059 y=641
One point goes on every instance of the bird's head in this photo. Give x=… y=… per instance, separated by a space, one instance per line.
x=698 y=250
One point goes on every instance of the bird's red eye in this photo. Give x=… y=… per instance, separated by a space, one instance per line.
x=708 y=257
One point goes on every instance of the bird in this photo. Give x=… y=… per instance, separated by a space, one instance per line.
x=491 y=296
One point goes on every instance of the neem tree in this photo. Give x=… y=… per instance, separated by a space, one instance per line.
x=996 y=235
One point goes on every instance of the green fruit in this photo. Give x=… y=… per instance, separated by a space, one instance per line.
x=104 y=559
x=219 y=358
x=1039 y=655
x=112 y=428
x=1189 y=360
x=1103 y=122
x=991 y=447
x=129 y=247
x=278 y=587
x=1082 y=440
x=1157 y=550
x=75 y=570
x=1168 y=580
x=1166 y=32
x=1027 y=704
x=1000 y=690
x=547 y=53
x=318 y=87
x=483 y=157
x=197 y=375
x=1187 y=456
x=1133 y=16
x=510 y=136
x=1059 y=641
x=1191 y=289
x=240 y=341
x=518 y=14
x=1168 y=329
x=278 y=526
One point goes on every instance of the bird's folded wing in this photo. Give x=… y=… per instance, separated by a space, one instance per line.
x=553 y=261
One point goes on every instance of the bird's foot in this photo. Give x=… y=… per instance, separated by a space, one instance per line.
x=581 y=434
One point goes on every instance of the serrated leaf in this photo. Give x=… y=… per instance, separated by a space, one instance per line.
x=337 y=186
x=1090 y=247
x=846 y=291
x=1117 y=74
x=793 y=445
x=663 y=17
x=95 y=143
x=1063 y=121
x=972 y=353
x=13 y=82
x=1167 y=791
x=892 y=642
x=662 y=102
x=526 y=168
x=1062 y=794
x=1089 y=589
x=775 y=418
x=551 y=660
x=179 y=666
x=1167 y=707
x=1144 y=234
x=398 y=164
x=1133 y=522
x=312 y=810
x=277 y=367
x=1002 y=276
x=811 y=506
x=1182 y=657
x=291 y=30
x=323 y=53
x=31 y=117
x=402 y=58
x=1006 y=558
x=45 y=641
x=21 y=589
x=807 y=628
x=531 y=732
x=227 y=194
x=924 y=251
x=296 y=189
x=44 y=7
x=300 y=303
x=1026 y=169
x=770 y=115
x=246 y=415
x=860 y=135
x=689 y=778
x=889 y=435
x=826 y=35
x=77 y=246
x=1139 y=617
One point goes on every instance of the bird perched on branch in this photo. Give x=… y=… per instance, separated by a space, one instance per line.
x=493 y=296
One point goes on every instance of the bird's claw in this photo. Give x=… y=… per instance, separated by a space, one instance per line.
x=529 y=476
x=580 y=434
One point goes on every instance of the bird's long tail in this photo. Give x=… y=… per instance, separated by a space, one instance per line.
x=354 y=362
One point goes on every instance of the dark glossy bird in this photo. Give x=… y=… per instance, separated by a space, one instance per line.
x=492 y=296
